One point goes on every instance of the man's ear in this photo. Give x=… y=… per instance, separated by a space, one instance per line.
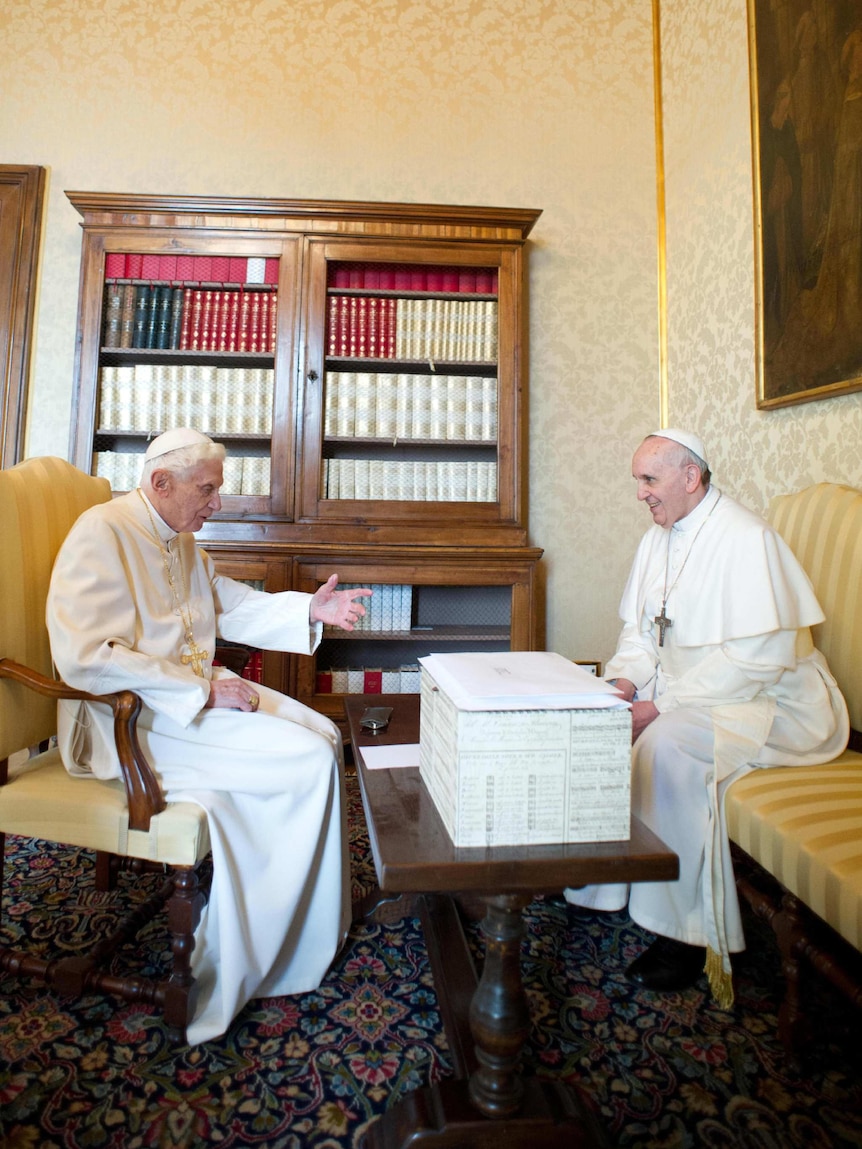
x=693 y=477
x=160 y=481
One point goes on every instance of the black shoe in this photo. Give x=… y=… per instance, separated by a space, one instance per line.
x=667 y=964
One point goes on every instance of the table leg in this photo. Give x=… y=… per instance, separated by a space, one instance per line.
x=495 y=1106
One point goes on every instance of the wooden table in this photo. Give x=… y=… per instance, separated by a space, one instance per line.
x=488 y=1105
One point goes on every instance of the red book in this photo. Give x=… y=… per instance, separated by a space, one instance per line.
x=203 y=268
x=218 y=323
x=371 y=278
x=231 y=313
x=167 y=268
x=186 y=268
x=150 y=267
x=435 y=279
x=254 y=322
x=402 y=278
x=341 y=278
x=418 y=280
x=185 y=323
x=263 y=337
x=194 y=343
x=270 y=271
x=323 y=682
x=254 y=668
x=387 y=279
x=373 y=327
x=237 y=269
x=362 y=326
x=206 y=319
x=467 y=281
x=115 y=265
x=333 y=310
x=220 y=268
x=352 y=326
x=242 y=326
x=483 y=282
x=273 y=322
x=391 y=324
x=373 y=681
x=342 y=348
x=450 y=280
x=356 y=274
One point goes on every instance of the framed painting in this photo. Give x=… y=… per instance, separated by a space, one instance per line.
x=22 y=191
x=806 y=116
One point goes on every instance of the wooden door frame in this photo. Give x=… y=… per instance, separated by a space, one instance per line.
x=22 y=193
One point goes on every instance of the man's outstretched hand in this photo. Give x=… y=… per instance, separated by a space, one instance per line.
x=337 y=607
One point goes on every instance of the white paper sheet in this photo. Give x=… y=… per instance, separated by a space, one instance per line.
x=519 y=680
x=390 y=757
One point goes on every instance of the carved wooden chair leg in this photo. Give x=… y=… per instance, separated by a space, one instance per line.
x=184 y=909
x=794 y=1026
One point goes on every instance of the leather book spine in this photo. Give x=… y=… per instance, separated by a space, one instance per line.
x=127 y=315
x=142 y=312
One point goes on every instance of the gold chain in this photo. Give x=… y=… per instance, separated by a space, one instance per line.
x=195 y=657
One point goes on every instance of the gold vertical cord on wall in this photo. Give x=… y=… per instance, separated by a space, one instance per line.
x=660 y=207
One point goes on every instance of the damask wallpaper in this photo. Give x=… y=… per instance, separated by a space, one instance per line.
x=506 y=102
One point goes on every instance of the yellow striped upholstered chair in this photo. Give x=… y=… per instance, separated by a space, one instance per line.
x=126 y=823
x=803 y=825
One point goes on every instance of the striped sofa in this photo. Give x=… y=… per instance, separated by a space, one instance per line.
x=803 y=825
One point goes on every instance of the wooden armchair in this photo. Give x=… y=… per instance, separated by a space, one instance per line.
x=127 y=822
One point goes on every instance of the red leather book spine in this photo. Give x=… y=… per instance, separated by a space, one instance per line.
x=242 y=331
x=373 y=681
x=323 y=682
x=232 y=321
x=195 y=320
x=186 y=322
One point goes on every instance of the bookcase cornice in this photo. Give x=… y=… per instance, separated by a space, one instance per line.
x=325 y=216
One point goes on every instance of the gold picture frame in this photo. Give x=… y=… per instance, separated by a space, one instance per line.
x=806 y=119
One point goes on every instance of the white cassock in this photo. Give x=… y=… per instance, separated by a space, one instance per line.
x=738 y=685
x=271 y=782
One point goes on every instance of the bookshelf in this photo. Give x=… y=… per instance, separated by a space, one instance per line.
x=362 y=364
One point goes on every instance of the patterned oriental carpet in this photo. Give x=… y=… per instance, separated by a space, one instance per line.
x=312 y=1072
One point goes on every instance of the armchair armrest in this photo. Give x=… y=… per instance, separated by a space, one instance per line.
x=143 y=792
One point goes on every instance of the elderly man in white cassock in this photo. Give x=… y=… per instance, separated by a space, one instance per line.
x=716 y=658
x=135 y=604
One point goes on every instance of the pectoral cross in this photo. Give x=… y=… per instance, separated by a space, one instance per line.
x=196 y=657
x=663 y=623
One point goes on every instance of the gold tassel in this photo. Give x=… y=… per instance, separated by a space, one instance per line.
x=720 y=981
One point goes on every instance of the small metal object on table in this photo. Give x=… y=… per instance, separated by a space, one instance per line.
x=488 y=1103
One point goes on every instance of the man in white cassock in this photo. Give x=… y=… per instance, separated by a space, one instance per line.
x=716 y=658
x=135 y=604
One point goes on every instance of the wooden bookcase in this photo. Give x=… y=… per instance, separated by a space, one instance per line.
x=361 y=362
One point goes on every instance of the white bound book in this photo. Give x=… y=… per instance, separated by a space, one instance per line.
x=365 y=416
x=221 y=386
x=107 y=397
x=403 y=406
x=142 y=398
x=346 y=405
x=125 y=393
x=256 y=270
x=456 y=408
x=391 y=681
x=232 y=484
x=473 y=404
x=330 y=400
x=421 y=428
x=268 y=397
x=386 y=403
x=361 y=478
x=489 y=410
x=436 y=407
x=347 y=478
x=377 y=479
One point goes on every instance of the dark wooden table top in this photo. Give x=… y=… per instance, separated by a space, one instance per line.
x=413 y=852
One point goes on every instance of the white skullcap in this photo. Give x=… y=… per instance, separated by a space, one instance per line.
x=693 y=442
x=174 y=440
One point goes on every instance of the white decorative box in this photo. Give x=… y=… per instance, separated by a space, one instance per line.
x=524 y=748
